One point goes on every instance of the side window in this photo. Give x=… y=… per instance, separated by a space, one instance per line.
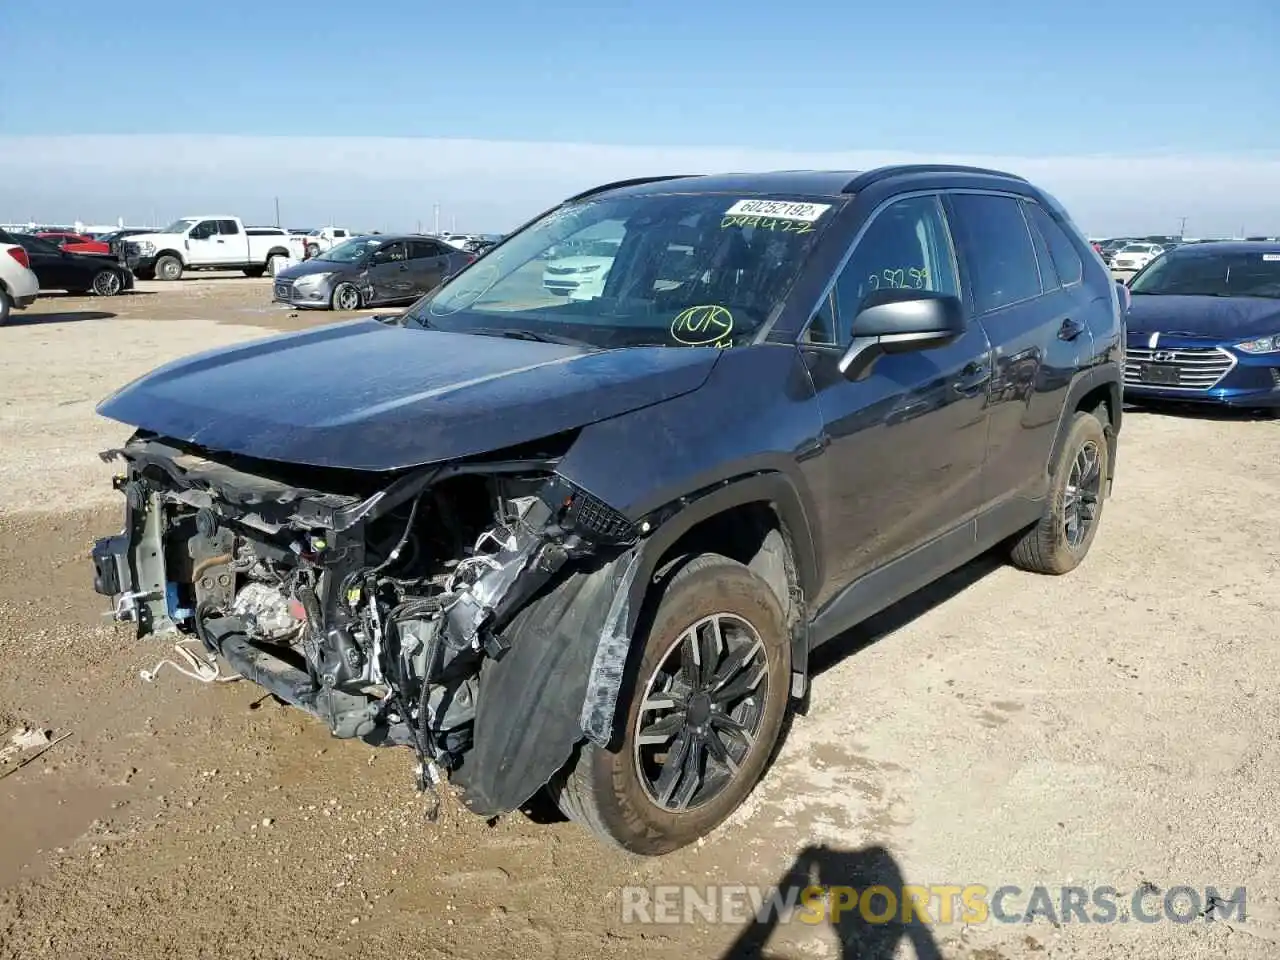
x=390 y=253
x=906 y=246
x=997 y=247
x=339 y=233
x=228 y=228
x=1065 y=256
x=1049 y=280
x=423 y=250
x=204 y=230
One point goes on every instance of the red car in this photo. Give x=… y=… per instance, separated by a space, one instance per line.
x=75 y=243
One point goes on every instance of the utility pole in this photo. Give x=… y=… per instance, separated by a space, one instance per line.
x=277 y=211
x=436 y=208
x=1182 y=227
x=454 y=226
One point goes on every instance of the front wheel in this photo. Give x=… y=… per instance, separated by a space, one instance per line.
x=346 y=297
x=168 y=268
x=1062 y=537
x=107 y=283
x=710 y=693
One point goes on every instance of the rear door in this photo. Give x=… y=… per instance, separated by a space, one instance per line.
x=232 y=244
x=1036 y=330
x=51 y=265
x=428 y=265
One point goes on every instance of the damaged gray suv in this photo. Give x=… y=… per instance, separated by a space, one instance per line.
x=586 y=545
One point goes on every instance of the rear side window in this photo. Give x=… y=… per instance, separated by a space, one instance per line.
x=228 y=228
x=1049 y=280
x=1065 y=257
x=997 y=246
x=423 y=249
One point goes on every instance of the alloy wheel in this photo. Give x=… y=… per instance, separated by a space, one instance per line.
x=701 y=712
x=106 y=283
x=1083 y=493
x=348 y=297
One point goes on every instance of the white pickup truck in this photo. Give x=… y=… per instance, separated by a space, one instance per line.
x=318 y=241
x=211 y=243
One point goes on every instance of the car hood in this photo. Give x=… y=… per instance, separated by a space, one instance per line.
x=365 y=395
x=309 y=267
x=1215 y=318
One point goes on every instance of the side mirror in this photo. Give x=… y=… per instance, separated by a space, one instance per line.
x=1126 y=296
x=901 y=321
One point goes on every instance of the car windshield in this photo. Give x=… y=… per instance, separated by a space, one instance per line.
x=1200 y=274
x=180 y=226
x=351 y=250
x=1136 y=248
x=670 y=270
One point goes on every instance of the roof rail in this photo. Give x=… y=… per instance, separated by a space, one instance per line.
x=864 y=180
x=618 y=184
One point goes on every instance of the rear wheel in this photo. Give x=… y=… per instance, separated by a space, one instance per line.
x=275 y=263
x=1062 y=537
x=709 y=697
x=312 y=250
x=255 y=271
x=6 y=307
x=168 y=268
x=346 y=297
x=106 y=283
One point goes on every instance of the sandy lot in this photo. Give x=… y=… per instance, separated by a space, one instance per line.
x=1116 y=727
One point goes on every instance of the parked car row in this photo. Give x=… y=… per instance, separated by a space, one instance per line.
x=59 y=268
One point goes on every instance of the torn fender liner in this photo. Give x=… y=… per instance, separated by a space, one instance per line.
x=527 y=718
x=610 y=660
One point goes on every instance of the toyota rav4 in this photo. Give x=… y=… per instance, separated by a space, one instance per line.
x=589 y=545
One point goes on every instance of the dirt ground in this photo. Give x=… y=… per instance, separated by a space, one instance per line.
x=1119 y=726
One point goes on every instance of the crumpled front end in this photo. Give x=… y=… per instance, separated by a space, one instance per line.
x=370 y=600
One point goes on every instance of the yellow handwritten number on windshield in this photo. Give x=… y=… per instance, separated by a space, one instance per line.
x=702 y=325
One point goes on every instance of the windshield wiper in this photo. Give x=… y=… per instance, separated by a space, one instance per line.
x=514 y=333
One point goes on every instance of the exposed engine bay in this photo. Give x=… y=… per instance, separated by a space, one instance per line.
x=372 y=603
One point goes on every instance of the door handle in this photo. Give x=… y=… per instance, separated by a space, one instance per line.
x=973 y=377
x=1070 y=329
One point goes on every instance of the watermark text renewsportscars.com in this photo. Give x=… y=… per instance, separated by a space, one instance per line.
x=931 y=904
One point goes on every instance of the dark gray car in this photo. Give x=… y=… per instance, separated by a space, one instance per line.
x=369 y=271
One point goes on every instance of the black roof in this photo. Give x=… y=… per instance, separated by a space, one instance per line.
x=1229 y=246
x=811 y=183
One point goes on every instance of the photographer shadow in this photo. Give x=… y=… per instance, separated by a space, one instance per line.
x=860 y=938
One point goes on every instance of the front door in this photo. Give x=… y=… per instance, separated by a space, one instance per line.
x=204 y=244
x=389 y=277
x=906 y=444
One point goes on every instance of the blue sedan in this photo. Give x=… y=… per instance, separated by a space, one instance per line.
x=1204 y=326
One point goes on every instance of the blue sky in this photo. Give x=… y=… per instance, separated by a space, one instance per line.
x=1050 y=84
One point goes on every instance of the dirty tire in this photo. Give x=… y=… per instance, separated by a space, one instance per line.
x=1047 y=547
x=346 y=296
x=604 y=790
x=106 y=283
x=6 y=306
x=168 y=268
x=255 y=271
